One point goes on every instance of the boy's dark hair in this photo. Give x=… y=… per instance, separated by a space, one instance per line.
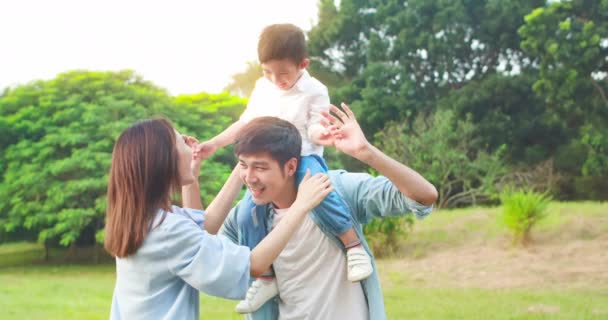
x=282 y=41
x=277 y=137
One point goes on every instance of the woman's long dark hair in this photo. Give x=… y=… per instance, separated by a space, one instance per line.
x=143 y=174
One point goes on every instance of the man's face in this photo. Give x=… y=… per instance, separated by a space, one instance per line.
x=265 y=178
x=283 y=73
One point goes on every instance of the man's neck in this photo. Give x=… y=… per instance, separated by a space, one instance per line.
x=286 y=198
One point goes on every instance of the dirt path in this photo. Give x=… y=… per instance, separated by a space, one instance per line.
x=568 y=264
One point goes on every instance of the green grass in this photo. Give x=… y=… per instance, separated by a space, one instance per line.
x=85 y=292
x=483 y=304
x=31 y=289
x=452 y=228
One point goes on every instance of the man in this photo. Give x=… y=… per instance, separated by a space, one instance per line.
x=311 y=270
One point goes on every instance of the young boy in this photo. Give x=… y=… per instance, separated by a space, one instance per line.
x=288 y=92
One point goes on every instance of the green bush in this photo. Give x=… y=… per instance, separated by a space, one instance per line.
x=384 y=235
x=522 y=209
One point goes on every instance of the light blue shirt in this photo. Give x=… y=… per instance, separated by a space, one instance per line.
x=178 y=259
x=367 y=197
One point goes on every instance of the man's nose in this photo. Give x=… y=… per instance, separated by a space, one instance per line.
x=250 y=175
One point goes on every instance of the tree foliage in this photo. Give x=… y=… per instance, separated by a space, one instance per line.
x=530 y=76
x=444 y=151
x=396 y=59
x=242 y=83
x=57 y=141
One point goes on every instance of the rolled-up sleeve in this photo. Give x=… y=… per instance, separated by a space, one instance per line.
x=318 y=103
x=209 y=263
x=375 y=197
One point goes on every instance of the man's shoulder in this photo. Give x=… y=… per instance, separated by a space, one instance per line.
x=341 y=174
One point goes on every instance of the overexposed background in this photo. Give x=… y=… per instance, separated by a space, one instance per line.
x=185 y=46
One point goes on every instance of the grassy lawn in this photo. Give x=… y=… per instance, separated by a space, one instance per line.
x=60 y=290
x=85 y=292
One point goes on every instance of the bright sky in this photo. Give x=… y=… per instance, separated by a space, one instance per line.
x=185 y=46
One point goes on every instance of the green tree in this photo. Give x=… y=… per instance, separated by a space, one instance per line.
x=568 y=40
x=58 y=141
x=242 y=83
x=444 y=150
x=506 y=112
x=395 y=59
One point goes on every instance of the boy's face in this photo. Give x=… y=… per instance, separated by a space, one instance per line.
x=266 y=179
x=283 y=73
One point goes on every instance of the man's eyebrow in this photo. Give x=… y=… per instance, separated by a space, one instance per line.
x=255 y=163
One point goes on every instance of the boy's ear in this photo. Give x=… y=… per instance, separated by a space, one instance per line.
x=304 y=64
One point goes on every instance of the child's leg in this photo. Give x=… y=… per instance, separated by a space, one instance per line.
x=261 y=291
x=333 y=213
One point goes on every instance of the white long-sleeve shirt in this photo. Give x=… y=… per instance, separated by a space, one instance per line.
x=301 y=105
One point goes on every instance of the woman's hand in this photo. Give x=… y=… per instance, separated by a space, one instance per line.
x=195 y=163
x=312 y=191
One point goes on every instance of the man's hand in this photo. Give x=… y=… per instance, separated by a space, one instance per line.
x=205 y=150
x=347 y=133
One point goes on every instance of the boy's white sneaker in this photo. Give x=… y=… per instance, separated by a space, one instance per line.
x=259 y=292
x=359 y=264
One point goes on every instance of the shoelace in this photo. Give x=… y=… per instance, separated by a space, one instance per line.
x=253 y=289
x=357 y=259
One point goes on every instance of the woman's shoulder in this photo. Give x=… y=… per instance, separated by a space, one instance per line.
x=178 y=218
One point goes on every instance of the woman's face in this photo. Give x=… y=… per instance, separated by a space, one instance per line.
x=184 y=158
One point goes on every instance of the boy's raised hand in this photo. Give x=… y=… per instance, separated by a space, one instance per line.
x=325 y=138
x=204 y=150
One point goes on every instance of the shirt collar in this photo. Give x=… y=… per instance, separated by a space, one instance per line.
x=303 y=82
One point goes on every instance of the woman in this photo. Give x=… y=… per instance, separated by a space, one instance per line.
x=163 y=256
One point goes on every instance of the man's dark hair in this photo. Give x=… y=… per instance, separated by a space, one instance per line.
x=277 y=137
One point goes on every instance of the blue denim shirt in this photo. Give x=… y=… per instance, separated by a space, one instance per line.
x=367 y=197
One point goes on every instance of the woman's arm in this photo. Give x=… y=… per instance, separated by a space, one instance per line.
x=311 y=192
x=222 y=203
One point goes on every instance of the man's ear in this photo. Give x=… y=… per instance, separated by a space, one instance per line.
x=291 y=166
